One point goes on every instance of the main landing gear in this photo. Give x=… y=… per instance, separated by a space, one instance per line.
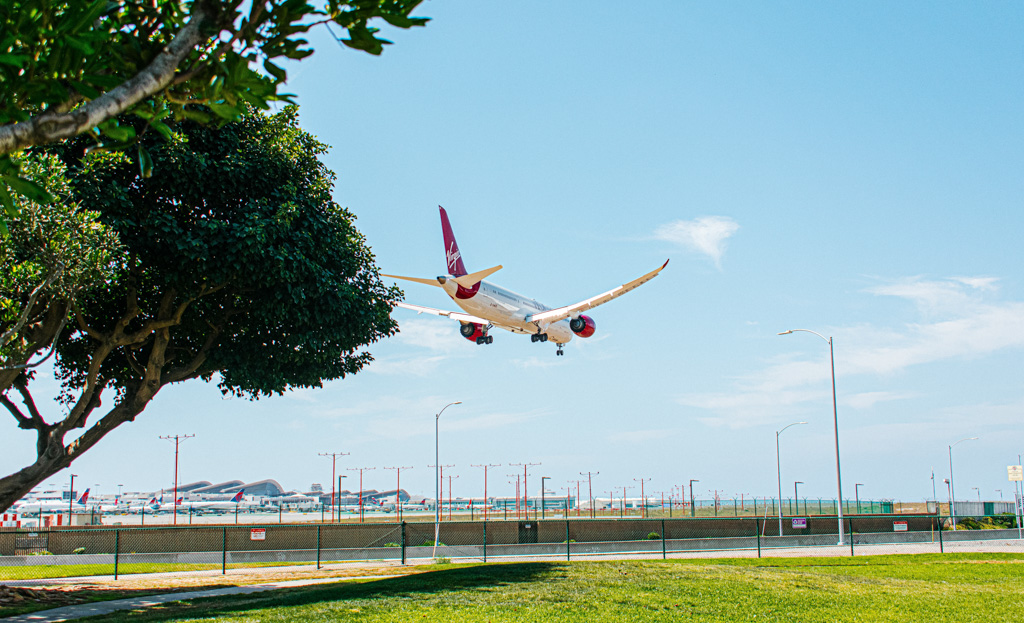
x=539 y=337
x=485 y=339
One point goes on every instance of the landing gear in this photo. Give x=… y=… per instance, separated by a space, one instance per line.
x=559 y=351
x=485 y=339
x=539 y=337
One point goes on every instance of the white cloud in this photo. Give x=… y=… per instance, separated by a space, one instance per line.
x=706 y=235
x=961 y=324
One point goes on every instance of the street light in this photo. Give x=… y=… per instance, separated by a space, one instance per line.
x=979 y=493
x=952 y=487
x=543 y=509
x=778 y=468
x=856 y=494
x=692 y=480
x=437 y=477
x=71 y=499
x=796 y=496
x=835 y=422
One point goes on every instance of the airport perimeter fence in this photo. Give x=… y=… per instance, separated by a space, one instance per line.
x=64 y=552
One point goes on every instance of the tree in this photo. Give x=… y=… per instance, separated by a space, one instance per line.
x=236 y=268
x=115 y=70
x=53 y=251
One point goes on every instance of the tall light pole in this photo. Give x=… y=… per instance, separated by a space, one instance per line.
x=643 y=498
x=334 y=460
x=71 y=499
x=437 y=477
x=835 y=422
x=692 y=512
x=485 y=466
x=361 y=470
x=590 y=489
x=796 y=496
x=952 y=487
x=778 y=468
x=856 y=494
x=177 y=442
x=398 y=491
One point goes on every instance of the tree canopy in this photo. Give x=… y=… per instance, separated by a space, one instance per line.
x=234 y=266
x=119 y=69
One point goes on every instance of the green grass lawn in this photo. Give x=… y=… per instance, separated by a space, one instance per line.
x=967 y=587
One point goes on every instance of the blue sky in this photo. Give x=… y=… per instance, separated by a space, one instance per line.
x=850 y=169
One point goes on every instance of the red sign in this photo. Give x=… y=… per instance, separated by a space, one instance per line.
x=899 y=526
x=258 y=534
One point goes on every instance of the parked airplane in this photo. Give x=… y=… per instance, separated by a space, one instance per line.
x=487 y=305
x=223 y=505
x=52 y=505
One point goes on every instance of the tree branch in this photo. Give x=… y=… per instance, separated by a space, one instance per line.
x=51 y=126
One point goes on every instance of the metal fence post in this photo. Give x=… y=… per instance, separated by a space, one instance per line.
x=849 y=522
x=567 y=541
x=318 y=547
x=485 y=540
x=403 y=542
x=942 y=549
x=757 y=533
x=664 y=554
x=224 y=551
x=117 y=547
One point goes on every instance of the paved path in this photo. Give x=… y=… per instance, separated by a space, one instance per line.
x=67 y=613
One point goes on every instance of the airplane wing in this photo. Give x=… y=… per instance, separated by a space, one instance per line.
x=554 y=315
x=461 y=317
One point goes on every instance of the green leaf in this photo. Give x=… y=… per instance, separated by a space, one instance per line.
x=15 y=60
x=28 y=188
x=120 y=133
x=275 y=71
x=7 y=203
x=145 y=163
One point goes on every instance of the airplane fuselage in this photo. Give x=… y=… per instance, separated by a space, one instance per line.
x=506 y=308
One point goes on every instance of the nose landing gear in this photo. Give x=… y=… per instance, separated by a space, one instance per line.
x=559 y=351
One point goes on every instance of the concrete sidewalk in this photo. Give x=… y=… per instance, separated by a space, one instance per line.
x=68 y=613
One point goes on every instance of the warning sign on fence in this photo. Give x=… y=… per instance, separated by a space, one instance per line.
x=799 y=522
x=899 y=526
x=258 y=534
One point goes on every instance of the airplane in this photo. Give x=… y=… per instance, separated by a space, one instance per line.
x=51 y=505
x=487 y=306
x=223 y=505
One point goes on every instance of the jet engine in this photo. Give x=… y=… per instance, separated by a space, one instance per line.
x=475 y=333
x=583 y=326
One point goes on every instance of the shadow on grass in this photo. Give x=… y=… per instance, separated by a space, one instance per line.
x=430 y=582
x=23 y=599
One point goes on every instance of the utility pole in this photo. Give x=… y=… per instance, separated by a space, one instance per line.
x=398 y=491
x=577 y=481
x=361 y=470
x=543 y=508
x=622 y=512
x=450 y=496
x=440 y=491
x=71 y=501
x=692 y=511
x=590 y=489
x=485 y=466
x=177 y=441
x=334 y=457
x=526 y=490
x=643 y=499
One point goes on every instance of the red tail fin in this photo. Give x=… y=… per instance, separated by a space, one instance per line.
x=453 y=258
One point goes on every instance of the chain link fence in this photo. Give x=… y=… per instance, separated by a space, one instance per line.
x=61 y=552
